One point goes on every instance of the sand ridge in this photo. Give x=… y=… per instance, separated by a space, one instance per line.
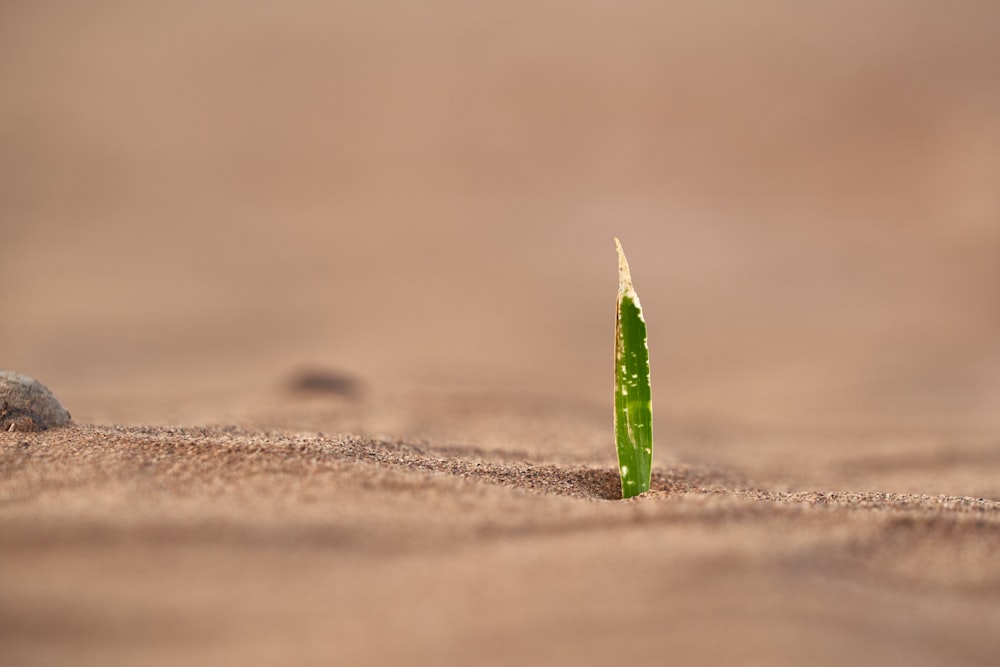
x=193 y=502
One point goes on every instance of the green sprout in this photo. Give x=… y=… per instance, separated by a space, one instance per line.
x=633 y=405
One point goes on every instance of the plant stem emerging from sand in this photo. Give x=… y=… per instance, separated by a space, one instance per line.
x=633 y=406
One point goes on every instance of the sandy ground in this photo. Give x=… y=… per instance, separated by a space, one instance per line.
x=328 y=289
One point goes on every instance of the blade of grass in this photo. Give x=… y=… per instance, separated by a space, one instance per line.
x=633 y=406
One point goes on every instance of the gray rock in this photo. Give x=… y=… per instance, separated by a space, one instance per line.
x=27 y=405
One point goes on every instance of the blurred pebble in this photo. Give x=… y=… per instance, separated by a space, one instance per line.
x=324 y=381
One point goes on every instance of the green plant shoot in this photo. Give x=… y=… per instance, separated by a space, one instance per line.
x=633 y=405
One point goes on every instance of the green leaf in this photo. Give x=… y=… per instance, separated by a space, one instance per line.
x=633 y=406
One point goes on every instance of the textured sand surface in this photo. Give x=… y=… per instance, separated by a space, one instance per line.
x=201 y=545
x=328 y=290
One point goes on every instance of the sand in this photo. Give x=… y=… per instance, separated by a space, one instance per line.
x=328 y=289
x=235 y=546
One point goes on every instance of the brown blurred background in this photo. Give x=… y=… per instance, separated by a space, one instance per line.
x=197 y=198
